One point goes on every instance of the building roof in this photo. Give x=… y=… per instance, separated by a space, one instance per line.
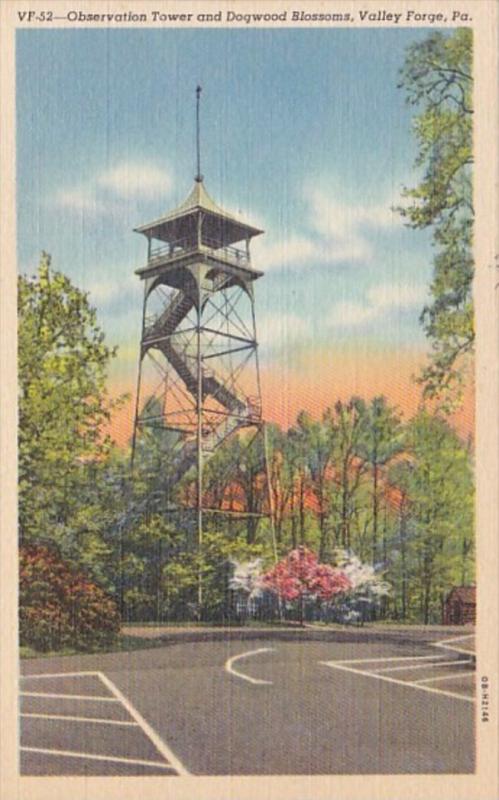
x=221 y=225
x=467 y=594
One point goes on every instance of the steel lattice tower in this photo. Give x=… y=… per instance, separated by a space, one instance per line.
x=199 y=333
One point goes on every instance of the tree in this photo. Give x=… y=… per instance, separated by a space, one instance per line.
x=437 y=479
x=300 y=575
x=365 y=582
x=380 y=444
x=348 y=423
x=63 y=406
x=318 y=437
x=282 y=480
x=297 y=454
x=437 y=79
x=214 y=561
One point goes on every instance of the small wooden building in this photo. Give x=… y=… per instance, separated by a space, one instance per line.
x=460 y=606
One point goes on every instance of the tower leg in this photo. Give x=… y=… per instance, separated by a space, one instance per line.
x=199 y=452
x=270 y=496
x=139 y=379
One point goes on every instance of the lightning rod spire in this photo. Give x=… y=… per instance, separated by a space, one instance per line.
x=199 y=177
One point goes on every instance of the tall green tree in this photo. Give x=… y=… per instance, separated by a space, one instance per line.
x=319 y=437
x=348 y=428
x=437 y=484
x=63 y=405
x=437 y=78
x=298 y=455
x=381 y=442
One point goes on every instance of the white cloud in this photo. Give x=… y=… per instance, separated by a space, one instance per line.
x=393 y=295
x=380 y=300
x=110 y=190
x=108 y=290
x=283 y=252
x=81 y=199
x=346 y=229
x=280 y=329
x=346 y=314
x=336 y=232
x=131 y=179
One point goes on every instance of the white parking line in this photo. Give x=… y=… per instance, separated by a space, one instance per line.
x=159 y=744
x=432 y=665
x=171 y=762
x=59 y=675
x=391 y=658
x=468 y=674
x=230 y=661
x=447 y=644
x=454 y=639
x=377 y=676
x=94 y=757
x=98 y=720
x=99 y=697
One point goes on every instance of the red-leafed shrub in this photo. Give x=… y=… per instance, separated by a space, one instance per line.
x=59 y=607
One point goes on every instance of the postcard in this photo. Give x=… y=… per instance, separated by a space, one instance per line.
x=249 y=375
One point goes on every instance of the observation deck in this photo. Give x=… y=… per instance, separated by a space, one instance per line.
x=198 y=230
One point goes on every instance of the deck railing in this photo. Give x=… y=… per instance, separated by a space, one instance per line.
x=184 y=246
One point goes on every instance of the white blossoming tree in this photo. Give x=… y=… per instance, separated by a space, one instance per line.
x=247 y=580
x=365 y=581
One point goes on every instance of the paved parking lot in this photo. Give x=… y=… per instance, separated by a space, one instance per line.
x=355 y=704
x=80 y=723
x=437 y=674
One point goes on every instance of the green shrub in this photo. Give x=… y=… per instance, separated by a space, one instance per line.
x=59 y=607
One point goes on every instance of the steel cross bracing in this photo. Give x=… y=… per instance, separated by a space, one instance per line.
x=198 y=413
x=225 y=395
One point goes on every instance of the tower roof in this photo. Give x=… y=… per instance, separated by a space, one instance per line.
x=223 y=228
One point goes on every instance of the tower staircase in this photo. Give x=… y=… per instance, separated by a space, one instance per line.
x=160 y=335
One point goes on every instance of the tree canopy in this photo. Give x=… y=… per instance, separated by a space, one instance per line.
x=437 y=78
x=63 y=405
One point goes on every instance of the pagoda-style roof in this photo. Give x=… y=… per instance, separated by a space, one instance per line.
x=219 y=227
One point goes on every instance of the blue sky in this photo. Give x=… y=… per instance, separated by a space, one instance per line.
x=304 y=132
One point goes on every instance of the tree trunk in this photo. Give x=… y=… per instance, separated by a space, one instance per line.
x=375 y=512
x=302 y=513
x=294 y=540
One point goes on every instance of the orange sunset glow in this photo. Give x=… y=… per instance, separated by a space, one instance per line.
x=317 y=378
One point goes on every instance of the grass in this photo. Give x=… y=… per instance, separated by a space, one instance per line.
x=189 y=624
x=123 y=643
x=251 y=623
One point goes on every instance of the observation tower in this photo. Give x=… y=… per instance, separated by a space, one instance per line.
x=199 y=336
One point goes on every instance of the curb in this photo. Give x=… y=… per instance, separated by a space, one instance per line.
x=291 y=634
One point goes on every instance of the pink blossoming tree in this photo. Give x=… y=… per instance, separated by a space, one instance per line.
x=299 y=576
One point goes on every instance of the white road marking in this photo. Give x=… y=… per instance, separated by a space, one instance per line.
x=100 y=698
x=447 y=644
x=468 y=674
x=454 y=639
x=433 y=665
x=59 y=675
x=159 y=744
x=392 y=658
x=410 y=684
x=94 y=757
x=230 y=661
x=81 y=719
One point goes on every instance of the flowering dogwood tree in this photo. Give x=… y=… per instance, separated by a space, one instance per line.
x=247 y=577
x=365 y=582
x=300 y=575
